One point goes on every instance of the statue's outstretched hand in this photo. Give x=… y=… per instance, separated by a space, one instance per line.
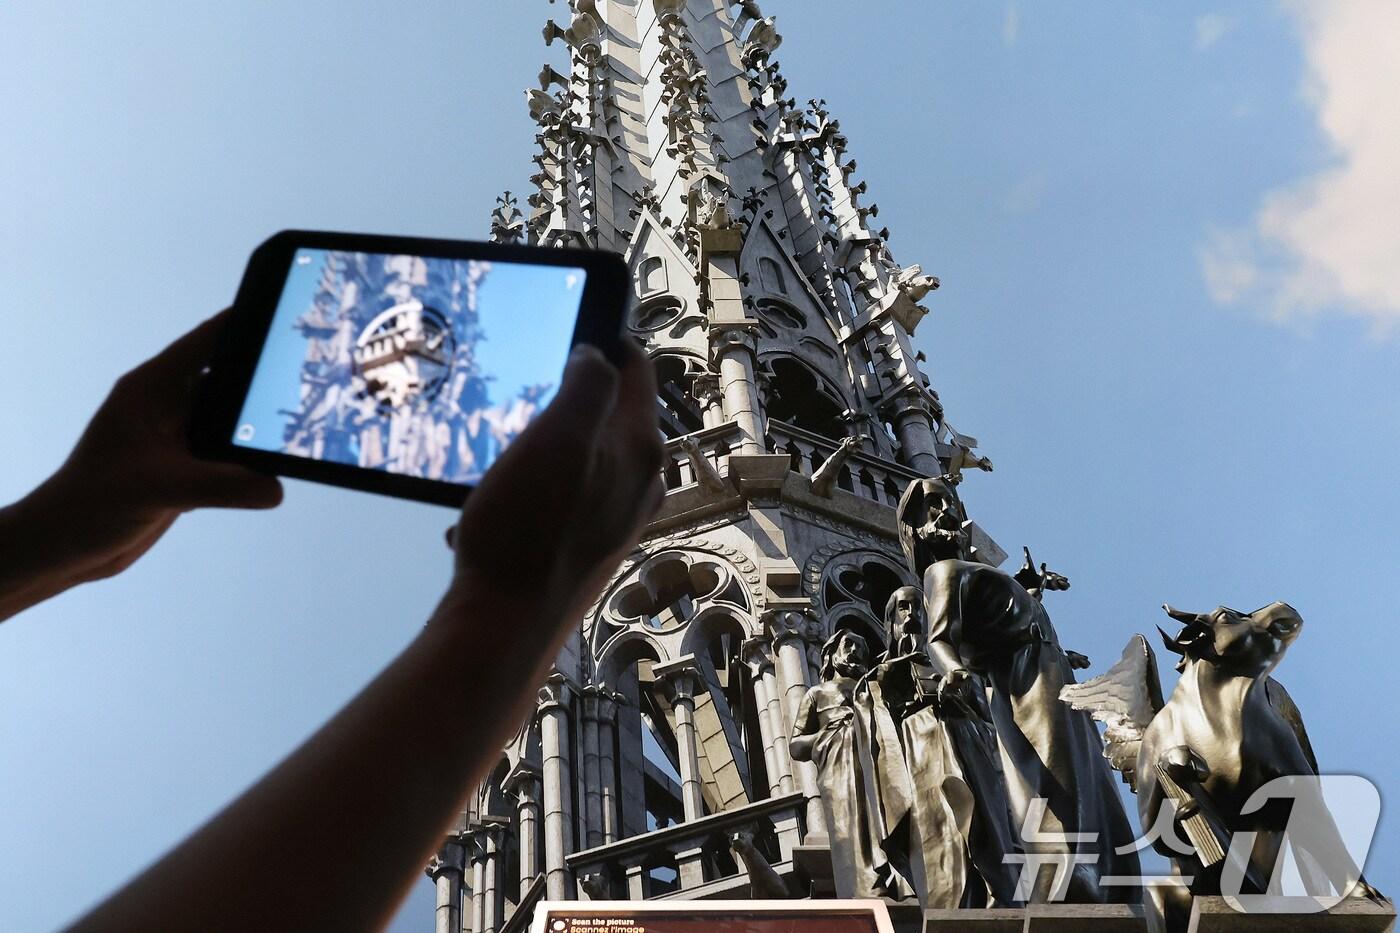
x=129 y=477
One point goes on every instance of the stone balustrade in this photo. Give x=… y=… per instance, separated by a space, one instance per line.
x=863 y=475
x=639 y=867
x=715 y=443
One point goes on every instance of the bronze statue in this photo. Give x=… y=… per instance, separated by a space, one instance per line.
x=864 y=786
x=932 y=526
x=981 y=621
x=1228 y=729
x=960 y=805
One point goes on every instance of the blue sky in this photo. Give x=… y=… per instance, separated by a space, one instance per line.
x=1167 y=241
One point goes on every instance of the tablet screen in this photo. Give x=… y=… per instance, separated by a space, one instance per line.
x=421 y=366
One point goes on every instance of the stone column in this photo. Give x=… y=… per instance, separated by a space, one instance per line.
x=682 y=678
x=588 y=753
x=524 y=786
x=493 y=900
x=446 y=870
x=754 y=653
x=781 y=734
x=607 y=764
x=554 y=700
x=706 y=391
x=476 y=852
x=790 y=630
x=735 y=350
x=912 y=418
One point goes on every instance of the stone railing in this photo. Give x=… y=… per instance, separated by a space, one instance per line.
x=715 y=443
x=697 y=853
x=862 y=475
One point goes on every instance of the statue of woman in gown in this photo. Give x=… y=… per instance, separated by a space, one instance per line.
x=865 y=788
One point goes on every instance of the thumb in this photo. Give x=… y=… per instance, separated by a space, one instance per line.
x=222 y=486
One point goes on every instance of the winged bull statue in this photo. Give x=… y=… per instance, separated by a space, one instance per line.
x=1198 y=760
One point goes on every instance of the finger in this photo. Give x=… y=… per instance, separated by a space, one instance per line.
x=586 y=395
x=176 y=367
x=550 y=465
x=634 y=419
x=221 y=486
x=564 y=435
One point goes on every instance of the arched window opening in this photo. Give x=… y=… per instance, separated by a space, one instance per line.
x=677 y=407
x=866 y=582
x=874 y=639
x=782 y=314
x=740 y=717
x=799 y=398
x=770 y=274
x=651 y=275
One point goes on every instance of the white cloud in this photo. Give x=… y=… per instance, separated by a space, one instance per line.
x=1010 y=25
x=1331 y=241
x=1211 y=28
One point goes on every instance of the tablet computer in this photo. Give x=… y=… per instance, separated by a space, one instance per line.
x=398 y=365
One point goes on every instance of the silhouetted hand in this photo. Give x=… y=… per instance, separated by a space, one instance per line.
x=127 y=480
x=560 y=508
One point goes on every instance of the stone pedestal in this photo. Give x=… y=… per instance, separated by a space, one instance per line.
x=1353 y=915
x=994 y=920
x=813 y=866
x=1091 y=918
x=1208 y=915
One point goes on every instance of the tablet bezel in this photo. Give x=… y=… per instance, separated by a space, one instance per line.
x=225 y=386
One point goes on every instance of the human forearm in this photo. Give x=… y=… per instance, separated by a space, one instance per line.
x=372 y=791
x=32 y=567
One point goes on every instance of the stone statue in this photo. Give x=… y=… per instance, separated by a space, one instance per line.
x=864 y=786
x=765 y=884
x=932 y=526
x=1195 y=760
x=984 y=622
x=826 y=476
x=961 y=817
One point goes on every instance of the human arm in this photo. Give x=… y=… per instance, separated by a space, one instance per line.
x=129 y=477
x=334 y=836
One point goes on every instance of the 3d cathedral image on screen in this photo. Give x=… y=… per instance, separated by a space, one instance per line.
x=421 y=366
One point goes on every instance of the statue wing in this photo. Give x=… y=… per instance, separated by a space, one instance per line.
x=1125 y=699
x=1283 y=705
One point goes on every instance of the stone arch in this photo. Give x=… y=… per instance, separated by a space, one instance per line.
x=623 y=651
x=853 y=618
x=854 y=582
x=651 y=276
x=666 y=593
x=771 y=277
x=800 y=395
x=679 y=410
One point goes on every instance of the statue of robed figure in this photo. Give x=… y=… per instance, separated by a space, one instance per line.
x=1062 y=794
x=950 y=749
x=864 y=786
